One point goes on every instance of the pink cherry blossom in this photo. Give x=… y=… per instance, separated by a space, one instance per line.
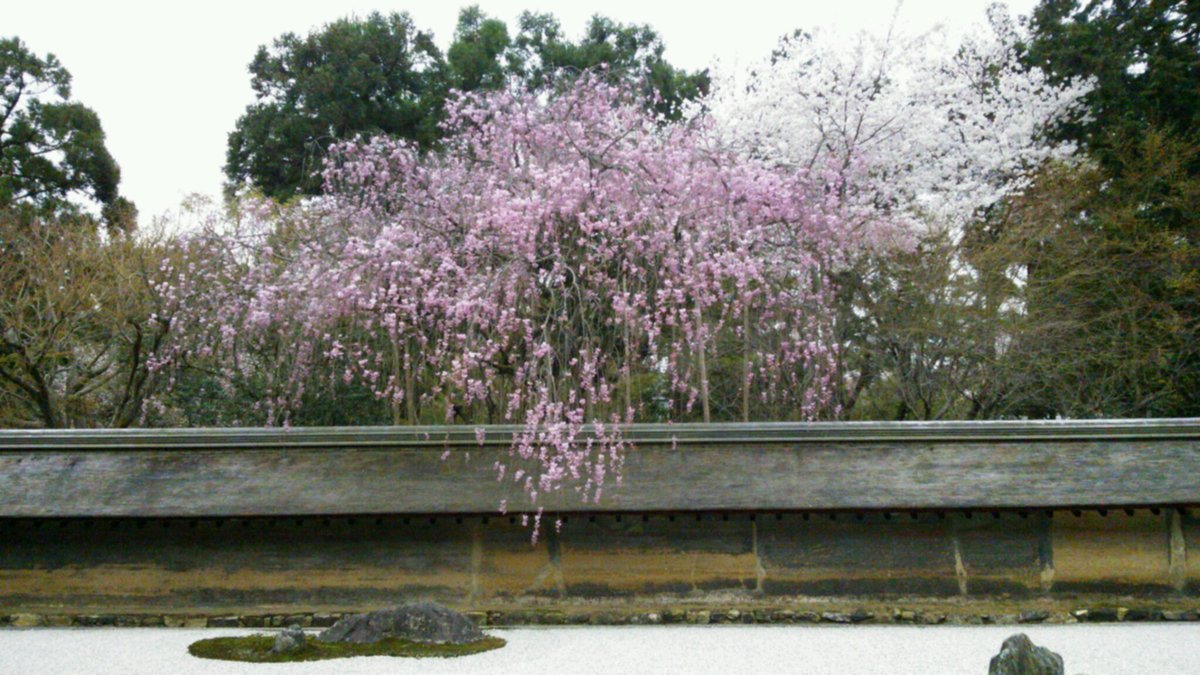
x=556 y=249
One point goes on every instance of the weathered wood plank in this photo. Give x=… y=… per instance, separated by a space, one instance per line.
x=658 y=477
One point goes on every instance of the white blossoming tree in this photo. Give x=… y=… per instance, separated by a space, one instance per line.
x=922 y=133
x=924 y=130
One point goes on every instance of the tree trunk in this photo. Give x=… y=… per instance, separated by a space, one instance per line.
x=703 y=364
x=410 y=390
x=395 y=382
x=628 y=372
x=746 y=364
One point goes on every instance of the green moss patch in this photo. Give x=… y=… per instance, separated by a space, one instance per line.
x=257 y=649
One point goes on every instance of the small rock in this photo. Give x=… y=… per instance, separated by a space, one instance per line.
x=195 y=622
x=1033 y=616
x=861 y=615
x=58 y=621
x=1181 y=615
x=733 y=615
x=324 y=620
x=1019 y=656
x=419 y=622
x=653 y=617
x=1143 y=615
x=1105 y=614
x=673 y=616
x=288 y=640
x=303 y=620
x=702 y=616
x=223 y=622
x=836 y=617
x=783 y=616
x=553 y=618
x=25 y=620
x=808 y=617
x=527 y=617
x=904 y=616
x=607 y=619
x=152 y=621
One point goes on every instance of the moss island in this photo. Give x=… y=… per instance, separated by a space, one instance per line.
x=257 y=649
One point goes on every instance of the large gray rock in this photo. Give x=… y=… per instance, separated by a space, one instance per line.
x=1019 y=656
x=288 y=640
x=419 y=622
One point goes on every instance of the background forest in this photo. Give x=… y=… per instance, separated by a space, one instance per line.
x=547 y=229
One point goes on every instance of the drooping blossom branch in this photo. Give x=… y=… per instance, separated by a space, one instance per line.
x=560 y=252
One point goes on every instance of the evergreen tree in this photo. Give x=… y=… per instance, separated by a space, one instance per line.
x=1144 y=58
x=378 y=75
x=382 y=76
x=52 y=152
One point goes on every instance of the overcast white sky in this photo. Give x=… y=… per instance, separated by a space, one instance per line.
x=169 y=79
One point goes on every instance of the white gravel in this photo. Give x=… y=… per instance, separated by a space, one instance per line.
x=1119 y=649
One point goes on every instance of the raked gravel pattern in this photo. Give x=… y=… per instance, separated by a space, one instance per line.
x=1118 y=649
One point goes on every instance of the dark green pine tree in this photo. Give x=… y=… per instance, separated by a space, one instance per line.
x=1144 y=56
x=1111 y=249
x=378 y=75
x=476 y=58
x=53 y=160
x=630 y=53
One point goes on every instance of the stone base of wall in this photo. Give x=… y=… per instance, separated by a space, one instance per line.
x=865 y=611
